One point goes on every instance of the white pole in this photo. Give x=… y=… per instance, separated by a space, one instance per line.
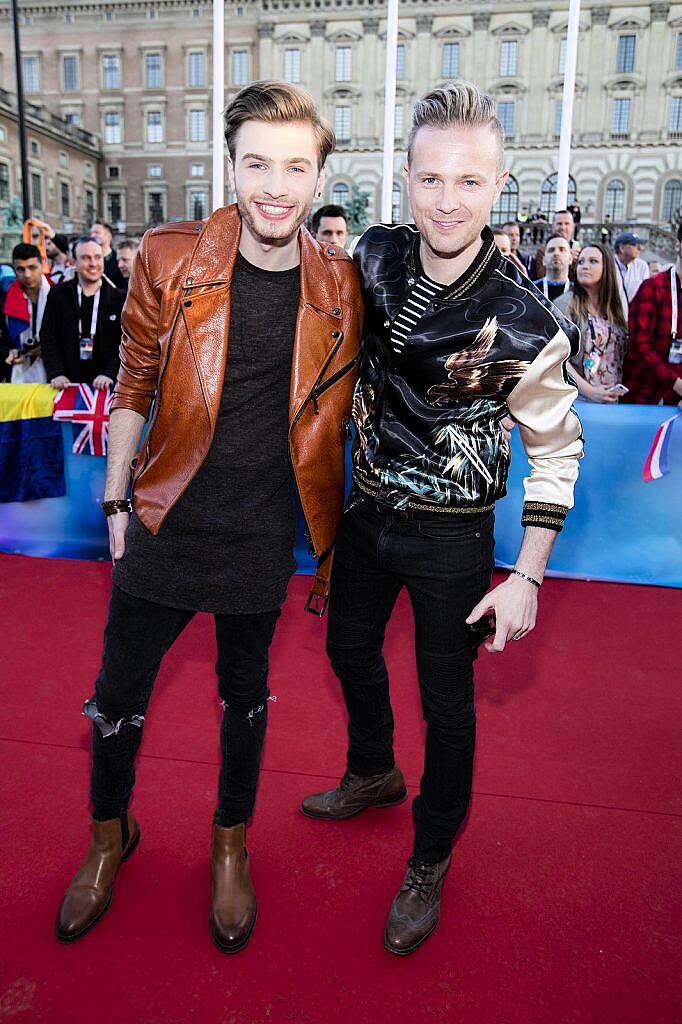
x=218 y=194
x=567 y=105
x=389 y=112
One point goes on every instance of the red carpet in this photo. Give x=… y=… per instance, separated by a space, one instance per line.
x=559 y=906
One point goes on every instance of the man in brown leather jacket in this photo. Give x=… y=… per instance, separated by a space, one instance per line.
x=243 y=333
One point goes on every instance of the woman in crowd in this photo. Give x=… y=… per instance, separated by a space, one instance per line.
x=593 y=303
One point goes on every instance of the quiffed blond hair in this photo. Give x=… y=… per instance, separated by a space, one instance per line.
x=457 y=104
x=277 y=103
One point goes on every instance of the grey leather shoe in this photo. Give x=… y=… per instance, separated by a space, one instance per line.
x=415 y=911
x=355 y=793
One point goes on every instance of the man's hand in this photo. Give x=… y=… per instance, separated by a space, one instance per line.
x=118 y=524
x=515 y=604
x=102 y=382
x=59 y=383
x=14 y=356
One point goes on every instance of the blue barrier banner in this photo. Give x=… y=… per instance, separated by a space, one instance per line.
x=622 y=528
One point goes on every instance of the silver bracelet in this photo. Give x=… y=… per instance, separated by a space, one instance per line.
x=515 y=572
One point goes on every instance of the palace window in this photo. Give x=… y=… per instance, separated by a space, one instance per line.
x=625 y=56
x=614 y=201
x=292 y=66
x=509 y=57
x=344 y=64
x=450 y=68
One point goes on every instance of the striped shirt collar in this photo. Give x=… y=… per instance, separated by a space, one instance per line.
x=486 y=261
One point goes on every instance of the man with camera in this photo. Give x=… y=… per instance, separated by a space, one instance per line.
x=23 y=311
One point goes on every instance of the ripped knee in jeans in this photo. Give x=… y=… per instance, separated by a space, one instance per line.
x=104 y=724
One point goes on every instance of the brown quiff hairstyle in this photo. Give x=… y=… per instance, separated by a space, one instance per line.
x=277 y=103
x=456 y=105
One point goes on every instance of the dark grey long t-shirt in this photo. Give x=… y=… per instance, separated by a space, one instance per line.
x=227 y=544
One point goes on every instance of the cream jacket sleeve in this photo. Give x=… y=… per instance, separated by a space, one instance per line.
x=542 y=405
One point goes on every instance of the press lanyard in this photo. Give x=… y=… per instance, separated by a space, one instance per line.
x=593 y=335
x=95 y=309
x=545 y=287
x=673 y=296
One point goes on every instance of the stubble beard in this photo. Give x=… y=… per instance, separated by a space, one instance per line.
x=272 y=232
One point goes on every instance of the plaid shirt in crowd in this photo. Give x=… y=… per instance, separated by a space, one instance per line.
x=647 y=372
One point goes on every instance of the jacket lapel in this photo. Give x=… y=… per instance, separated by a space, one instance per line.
x=319 y=319
x=205 y=301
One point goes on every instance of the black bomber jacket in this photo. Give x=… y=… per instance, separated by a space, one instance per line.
x=428 y=417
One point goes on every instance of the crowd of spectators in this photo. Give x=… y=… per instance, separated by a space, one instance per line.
x=61 y=323
x=629 y=312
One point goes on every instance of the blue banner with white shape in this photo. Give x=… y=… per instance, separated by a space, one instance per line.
x=623 y=528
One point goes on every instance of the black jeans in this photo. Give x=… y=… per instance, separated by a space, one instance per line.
x=137 y=635
x=446 y=566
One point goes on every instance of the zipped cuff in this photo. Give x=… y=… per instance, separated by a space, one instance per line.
x=544 y=514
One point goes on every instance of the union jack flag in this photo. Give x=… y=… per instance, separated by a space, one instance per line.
x=88 y=410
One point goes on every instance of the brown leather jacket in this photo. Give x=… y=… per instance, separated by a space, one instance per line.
x=176 y=324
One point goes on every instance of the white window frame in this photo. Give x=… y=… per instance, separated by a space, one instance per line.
x=153 y=130
x=111 y=70
x=620 y=104
x=151 y=170
x=112 y=133
x=626 y=53
x=450 y=60
x=675 y=119
x=292 y=65
x=77 y=74
x=509 y=105
x=343 y=122
x=148 y=83
x=509 y=58
x=197 y=125
x=343 y=63
x=32 y=79
x=400 y=59
x=239 y=67
x=200 y=66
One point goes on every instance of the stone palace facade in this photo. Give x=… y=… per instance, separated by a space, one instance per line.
x=136 y=78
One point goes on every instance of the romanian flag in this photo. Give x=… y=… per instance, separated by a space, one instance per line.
x=31 y=447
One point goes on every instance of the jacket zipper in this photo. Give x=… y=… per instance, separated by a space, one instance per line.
x=157 y=406
x=317 y=391
x=312 y=396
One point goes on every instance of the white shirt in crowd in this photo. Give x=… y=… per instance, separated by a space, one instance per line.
x=629 y=280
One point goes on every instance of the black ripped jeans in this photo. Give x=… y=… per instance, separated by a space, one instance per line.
x=137 y=635
x=446 y=565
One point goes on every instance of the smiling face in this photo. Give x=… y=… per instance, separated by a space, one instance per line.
x=590 y=267
x=453 y=180
x=275 y=176
x=89 y=262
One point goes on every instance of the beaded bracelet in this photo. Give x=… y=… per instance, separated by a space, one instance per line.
x=515 y=572
x=110 y=508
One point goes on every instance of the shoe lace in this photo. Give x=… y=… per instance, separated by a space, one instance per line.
x=421 y=878
x=345 y=782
